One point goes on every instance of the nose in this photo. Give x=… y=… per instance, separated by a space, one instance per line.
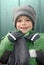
x=23 y=22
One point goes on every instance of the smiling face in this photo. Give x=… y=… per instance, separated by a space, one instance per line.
x=24 y=24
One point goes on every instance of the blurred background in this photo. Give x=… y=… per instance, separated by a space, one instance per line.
x=6 y=14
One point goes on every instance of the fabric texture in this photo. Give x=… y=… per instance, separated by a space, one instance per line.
x=37 y=45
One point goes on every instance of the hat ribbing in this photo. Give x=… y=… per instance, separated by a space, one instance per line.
x=25 y=10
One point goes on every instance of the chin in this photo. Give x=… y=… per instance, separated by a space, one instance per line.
x=24 y=32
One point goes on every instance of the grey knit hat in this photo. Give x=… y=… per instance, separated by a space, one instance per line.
x=25 y=10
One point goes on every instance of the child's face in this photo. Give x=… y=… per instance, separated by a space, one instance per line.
x=24 y=24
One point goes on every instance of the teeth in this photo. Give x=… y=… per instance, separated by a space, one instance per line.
x=23 y=27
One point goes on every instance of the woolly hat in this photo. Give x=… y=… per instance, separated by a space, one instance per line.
x=26 y=10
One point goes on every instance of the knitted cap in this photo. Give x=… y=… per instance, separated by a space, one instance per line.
x=26 y=10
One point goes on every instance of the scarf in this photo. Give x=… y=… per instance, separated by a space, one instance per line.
x=20 y=54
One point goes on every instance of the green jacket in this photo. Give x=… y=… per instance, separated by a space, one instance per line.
x=6 y=45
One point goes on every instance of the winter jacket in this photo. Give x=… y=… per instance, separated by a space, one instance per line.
x=6 y=48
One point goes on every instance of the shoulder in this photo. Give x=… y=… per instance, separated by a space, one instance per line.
x=41 y=38
x=39 y=43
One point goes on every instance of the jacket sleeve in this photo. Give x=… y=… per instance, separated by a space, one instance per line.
x=5 y=44
x=40 y=57
x=39 y=46
x=5 y=48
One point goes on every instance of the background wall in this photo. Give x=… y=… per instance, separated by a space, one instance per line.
x=42 y=15
x=6 y=9
x=0 y=18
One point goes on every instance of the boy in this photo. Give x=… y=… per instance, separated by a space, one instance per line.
x=25 y=46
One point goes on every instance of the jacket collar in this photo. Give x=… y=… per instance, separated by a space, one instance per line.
x=32 y=35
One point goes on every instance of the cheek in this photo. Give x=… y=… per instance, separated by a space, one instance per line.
x=17 y=25
x=30 y=24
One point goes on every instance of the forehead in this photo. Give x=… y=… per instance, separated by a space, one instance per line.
x=22 y=16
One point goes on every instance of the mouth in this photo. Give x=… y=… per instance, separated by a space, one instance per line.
x=24 y=28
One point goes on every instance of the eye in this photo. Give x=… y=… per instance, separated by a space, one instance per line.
x=18 y=20
x=28 y=20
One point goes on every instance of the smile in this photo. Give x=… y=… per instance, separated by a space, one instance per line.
x=24 y=27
